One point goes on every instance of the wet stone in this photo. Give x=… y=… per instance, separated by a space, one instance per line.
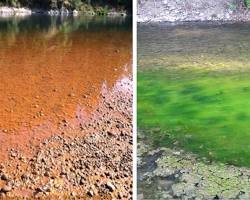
x=63 y=162
x=6 y=189
x=110 y=186
x=4 y=177
x=90 y=193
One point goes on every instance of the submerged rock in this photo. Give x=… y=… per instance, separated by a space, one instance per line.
x=110 y=186
x=6 y=189
x=94 y=164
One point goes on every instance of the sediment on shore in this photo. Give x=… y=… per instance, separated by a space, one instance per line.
x=91 y=160
x=172 y=173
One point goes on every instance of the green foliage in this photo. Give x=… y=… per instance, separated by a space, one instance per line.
x=232 y=6
x=15 y=3
x=87 y=9
x=71 y=4
x=247 y=2
x=101 y=11
x=76 y=4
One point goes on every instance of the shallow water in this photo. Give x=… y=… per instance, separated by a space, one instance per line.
x=54 y=69
x=193 y=83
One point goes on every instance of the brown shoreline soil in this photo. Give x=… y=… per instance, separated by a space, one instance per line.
x=91 y=159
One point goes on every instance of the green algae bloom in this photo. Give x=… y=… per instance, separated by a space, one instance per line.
x=194 y=85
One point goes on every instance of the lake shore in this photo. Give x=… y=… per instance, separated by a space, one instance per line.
x=6 y=11
x=171 y=173
x=192 y=11
x=91 y=160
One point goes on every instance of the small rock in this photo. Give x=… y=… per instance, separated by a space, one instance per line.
x=119 y=195
x=156 y=130
x=24 y=177
x=177 y=153
x=4 y=177
x=82 y=181
x=46 y=174
x=110 y=133
x=6 y=189
x=73 y=194
x=90 y=193
x=45 y=188
x=71 y=94
x=13 y=154
x=110 y=186
x=75 y=12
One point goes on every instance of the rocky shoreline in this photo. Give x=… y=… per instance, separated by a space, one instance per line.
x=192 y=11
x=21 y=12
x=171 y=173
x=93 y=160
x=12 y=11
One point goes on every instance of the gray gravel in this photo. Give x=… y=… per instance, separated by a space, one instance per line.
x=191 y=10
x=171 y=173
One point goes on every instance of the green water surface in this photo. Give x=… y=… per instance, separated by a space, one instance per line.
x=205 y=110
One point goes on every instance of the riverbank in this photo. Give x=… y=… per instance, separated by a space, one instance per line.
x=195 y=10
x=171 y=173
x=91 y=160
x=20 y=12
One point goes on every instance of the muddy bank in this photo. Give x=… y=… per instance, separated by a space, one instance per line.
x=91 y=160
x=195 y=10
x=171 y=173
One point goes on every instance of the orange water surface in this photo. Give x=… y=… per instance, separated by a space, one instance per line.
x=53 y=69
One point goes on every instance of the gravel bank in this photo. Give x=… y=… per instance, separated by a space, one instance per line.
x=194 y=10
x=92 y=161
x=12 y=11
x=165 y=173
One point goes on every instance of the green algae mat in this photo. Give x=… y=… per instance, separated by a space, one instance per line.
x=203 y=107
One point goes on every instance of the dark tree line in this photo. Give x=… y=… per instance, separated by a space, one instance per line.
x=70 y=4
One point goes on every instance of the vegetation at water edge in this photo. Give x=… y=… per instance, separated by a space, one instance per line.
x=99 y=6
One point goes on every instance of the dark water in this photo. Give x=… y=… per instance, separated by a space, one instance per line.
x=54 y=69
x=193 y=83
